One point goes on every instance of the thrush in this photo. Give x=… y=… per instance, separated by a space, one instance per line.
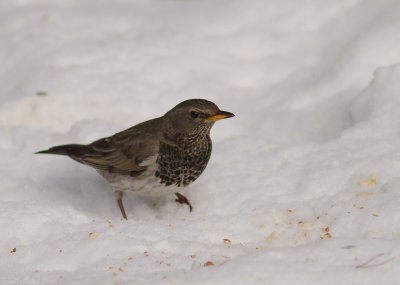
x=157 y=157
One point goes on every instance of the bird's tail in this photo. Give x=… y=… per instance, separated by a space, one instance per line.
x=66 y=149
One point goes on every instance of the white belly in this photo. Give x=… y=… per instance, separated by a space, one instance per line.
x=145 y=184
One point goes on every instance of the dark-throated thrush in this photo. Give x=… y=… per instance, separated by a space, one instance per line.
x=156 y=157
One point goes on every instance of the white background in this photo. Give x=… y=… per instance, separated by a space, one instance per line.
x=304 y=182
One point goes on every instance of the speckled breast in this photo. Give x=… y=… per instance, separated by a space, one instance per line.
x=181 y=167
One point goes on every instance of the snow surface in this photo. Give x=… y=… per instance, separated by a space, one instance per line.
x=303 y=184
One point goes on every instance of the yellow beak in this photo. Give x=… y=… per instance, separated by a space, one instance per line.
x=220 y=115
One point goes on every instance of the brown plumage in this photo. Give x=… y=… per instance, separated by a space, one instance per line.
x=156 y=157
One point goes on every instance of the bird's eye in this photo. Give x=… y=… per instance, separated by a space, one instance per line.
x=194 y=114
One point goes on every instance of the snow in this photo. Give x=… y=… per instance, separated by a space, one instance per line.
x=303 y=184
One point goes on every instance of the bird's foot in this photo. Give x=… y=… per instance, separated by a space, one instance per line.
x=118 y=196
x=183 y=200
x=121 y=207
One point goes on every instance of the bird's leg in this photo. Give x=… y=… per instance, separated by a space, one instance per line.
x=118 y=196
x=183 y=200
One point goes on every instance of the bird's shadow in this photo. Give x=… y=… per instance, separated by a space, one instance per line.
x=82 y=189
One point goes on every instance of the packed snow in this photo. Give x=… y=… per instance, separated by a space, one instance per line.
x=303 y=185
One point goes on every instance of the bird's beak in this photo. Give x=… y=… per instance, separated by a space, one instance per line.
x=220 y=115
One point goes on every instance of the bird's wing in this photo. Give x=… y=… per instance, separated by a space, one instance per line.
x=121 y=153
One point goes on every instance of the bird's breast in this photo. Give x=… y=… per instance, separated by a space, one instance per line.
x=182 y=166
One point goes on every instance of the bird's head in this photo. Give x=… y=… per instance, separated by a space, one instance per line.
x=194 y=115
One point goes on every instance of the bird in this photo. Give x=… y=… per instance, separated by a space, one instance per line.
x=157 y=157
